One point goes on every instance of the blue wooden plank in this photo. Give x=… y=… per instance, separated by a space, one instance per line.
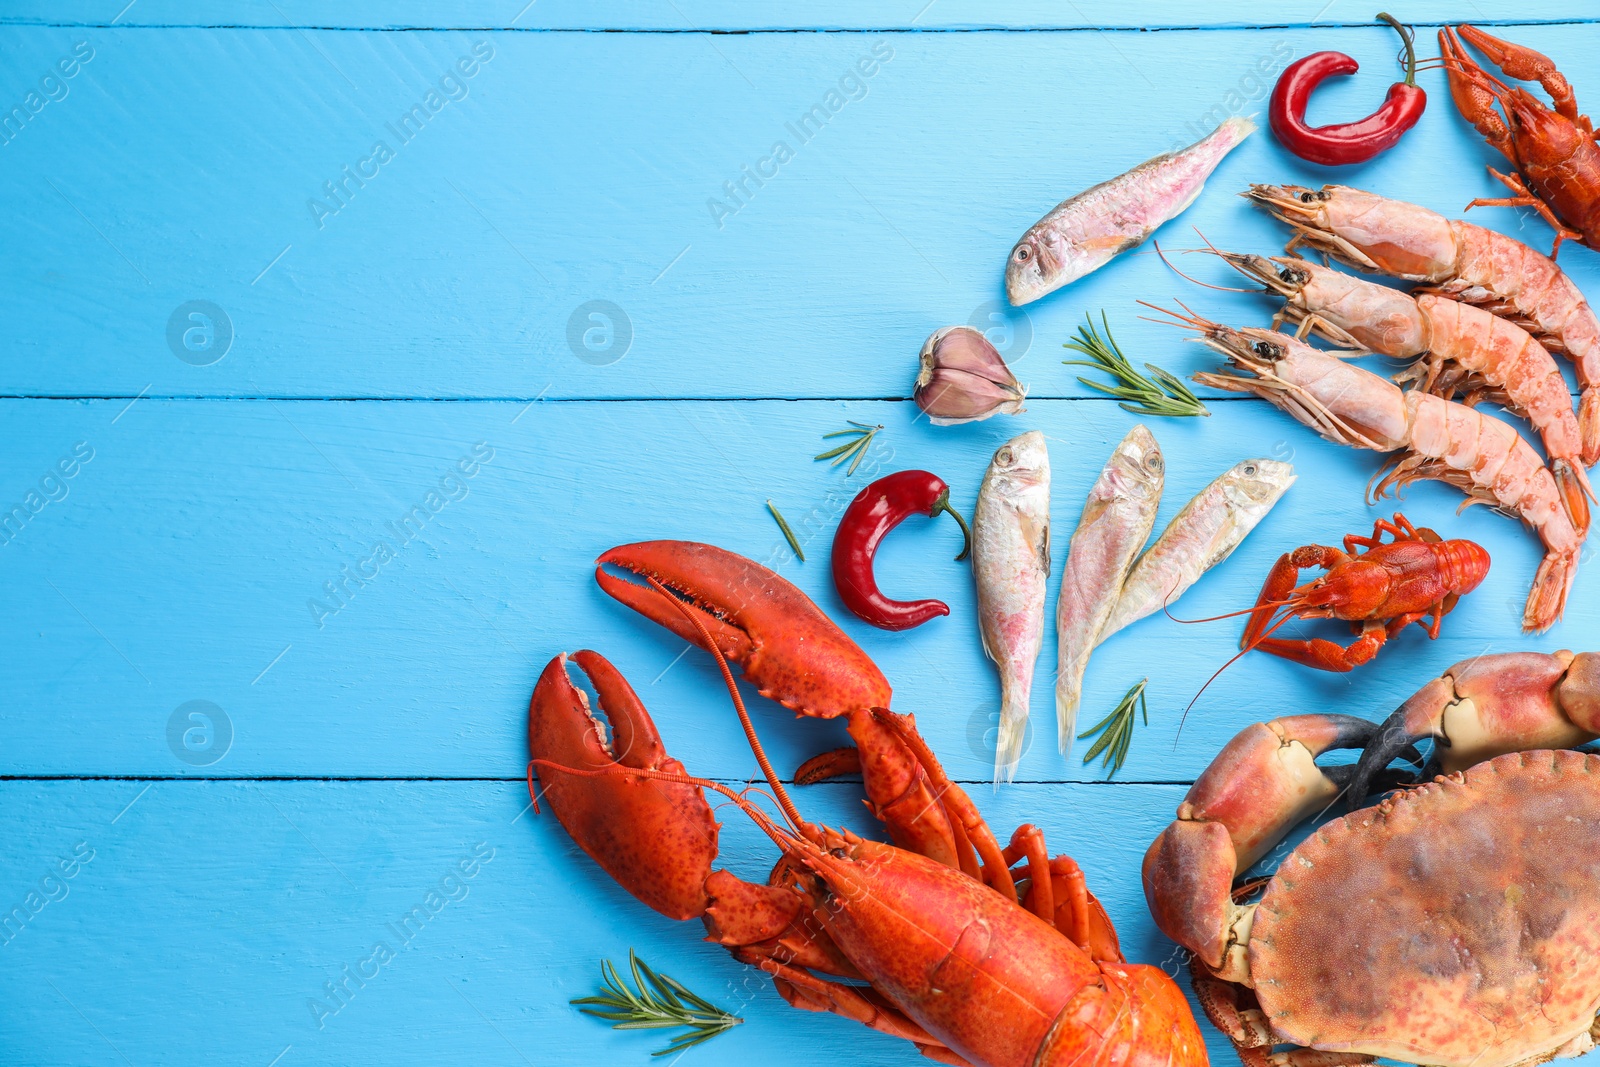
x=728 y=15
x=210 y=917
x=466 y=267
x=187 y=557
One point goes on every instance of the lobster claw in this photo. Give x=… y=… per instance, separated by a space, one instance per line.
x=657 y=839
x=793 y=654
x=786 y=646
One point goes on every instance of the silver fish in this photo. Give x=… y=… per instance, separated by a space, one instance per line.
x=1086 y=232
x=1116 y=522
x=1011 y=562
x=1199 y=537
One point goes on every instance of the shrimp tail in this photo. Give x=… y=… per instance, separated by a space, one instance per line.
x=1548 y=597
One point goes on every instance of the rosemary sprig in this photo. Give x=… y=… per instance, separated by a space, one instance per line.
x=783 y=525
x=861 y=435
x=1164 y=396
x=1116 y=730
x=657 y=1002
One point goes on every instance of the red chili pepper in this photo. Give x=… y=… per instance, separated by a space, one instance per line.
x=1349 y=142
x=876 y=510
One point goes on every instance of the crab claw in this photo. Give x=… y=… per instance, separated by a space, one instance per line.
x=1488 y=706
x=657 y=839
x=787 y=647
x=1260 y=786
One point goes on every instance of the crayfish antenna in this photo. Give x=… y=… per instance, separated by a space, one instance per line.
x=1268 y=632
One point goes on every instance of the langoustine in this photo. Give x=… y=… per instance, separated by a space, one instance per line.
x=1458 y=260
x=1458 y=349
x=1434 y=439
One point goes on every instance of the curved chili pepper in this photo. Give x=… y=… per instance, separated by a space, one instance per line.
x=876 y=510
x=1348 y=142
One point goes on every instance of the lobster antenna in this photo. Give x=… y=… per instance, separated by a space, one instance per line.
x=1229 y=615
x=790 y=812
x=1250 y=648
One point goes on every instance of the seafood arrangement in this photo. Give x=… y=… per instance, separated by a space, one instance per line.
x=1452 y=924
x=971 y=951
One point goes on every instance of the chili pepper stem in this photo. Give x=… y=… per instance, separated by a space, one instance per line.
x=943 y=504
x=1407 y=36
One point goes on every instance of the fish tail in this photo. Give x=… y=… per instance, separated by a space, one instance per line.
x=1069 y=689
x=1013 y=730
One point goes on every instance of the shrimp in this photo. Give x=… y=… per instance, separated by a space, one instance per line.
x=1457 y=260
x=1458 y=348
x=1433 y=438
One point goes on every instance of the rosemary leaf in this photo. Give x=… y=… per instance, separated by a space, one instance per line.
x=1116 y=730
x=854 y=450
x=655 y=1002
x=788 y=534
x=1165 y=395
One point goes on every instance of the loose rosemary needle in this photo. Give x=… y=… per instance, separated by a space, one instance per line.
x=1164 y=396
x=855 y=449
x=1116 y=730
x=783 y=525
x=657 y=1002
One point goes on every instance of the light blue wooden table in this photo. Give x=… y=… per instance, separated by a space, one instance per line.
x=370 y=317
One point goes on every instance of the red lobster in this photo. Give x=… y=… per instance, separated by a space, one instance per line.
x=1556 y=160
x=1414 y=576
x=975 y=953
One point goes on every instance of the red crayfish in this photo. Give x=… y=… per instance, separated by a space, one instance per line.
x=1416 y=577
x=974 y=952
x=1553 y=151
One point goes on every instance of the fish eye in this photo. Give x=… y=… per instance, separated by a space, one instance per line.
x=1249 y=468
x=1022 y=253
x=1003 y=457
x=1154 y=461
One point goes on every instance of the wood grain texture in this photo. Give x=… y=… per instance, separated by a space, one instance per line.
x=654 y=15
x=457 y=270
x=211 y=913
x=167 y=628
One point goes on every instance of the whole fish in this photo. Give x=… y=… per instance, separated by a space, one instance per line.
x=1199 y=537
x=1011 y=562
x=1084 y=233
x=1116 y=522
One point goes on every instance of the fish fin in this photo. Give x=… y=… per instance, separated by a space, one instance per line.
x=987 y=651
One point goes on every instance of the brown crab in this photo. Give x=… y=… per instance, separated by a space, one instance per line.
x=1456 y=923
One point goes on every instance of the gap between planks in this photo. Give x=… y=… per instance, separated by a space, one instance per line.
x=725 y=31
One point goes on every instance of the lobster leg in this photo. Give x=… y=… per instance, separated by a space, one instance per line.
x=863 y=1004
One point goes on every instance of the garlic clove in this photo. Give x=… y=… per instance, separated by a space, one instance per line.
x=963 y=379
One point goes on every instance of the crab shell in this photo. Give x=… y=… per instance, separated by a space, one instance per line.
x=1456 y=923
